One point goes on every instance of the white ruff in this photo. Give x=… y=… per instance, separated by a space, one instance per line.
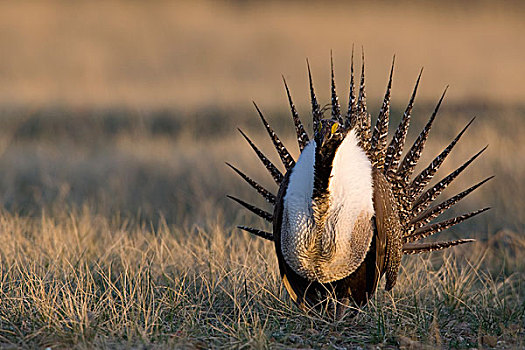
x=298 y=220
x=350 y=191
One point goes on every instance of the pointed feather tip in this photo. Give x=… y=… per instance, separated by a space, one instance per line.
x=310 y=77
x=352 y=62
x=419 y=76
x=474 y=213
x=389 y=86
x=436 y=109
x=288 y=92
x=332 y=66
x=311 y=81
x=444 y=91
x=260 y=114
x=482 y=150
x=284 y=81
x=256 y=107
x=416 y=86
x=243 y=134
x=465 y=128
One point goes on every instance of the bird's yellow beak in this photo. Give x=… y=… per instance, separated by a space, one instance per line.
x=334 y=128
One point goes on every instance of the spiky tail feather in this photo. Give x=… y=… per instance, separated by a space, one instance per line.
x=270 y=198
x=395 y=148
x=272 y=169
x=432 y=213
x=421 y=181
x=429 y=230
x=286 y=158
x=257 y=211
x=418 y=248
x=351 y=114
x=380 y=133
x=260 y=233
x=302 y=136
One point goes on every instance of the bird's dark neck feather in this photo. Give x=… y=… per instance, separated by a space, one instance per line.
x=323 y=241
x=324 y=158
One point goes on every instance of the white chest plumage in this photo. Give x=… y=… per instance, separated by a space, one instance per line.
x=348 y=217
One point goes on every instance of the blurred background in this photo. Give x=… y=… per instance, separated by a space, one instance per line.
x=130 y=108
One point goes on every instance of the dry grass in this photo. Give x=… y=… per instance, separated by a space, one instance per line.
x=83 y=280
x=117 y=117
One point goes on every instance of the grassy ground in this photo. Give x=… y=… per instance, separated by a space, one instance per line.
x=114 y=234
x=83 y=280
x=116 y=119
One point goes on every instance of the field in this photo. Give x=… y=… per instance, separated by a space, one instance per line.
x=116 y=120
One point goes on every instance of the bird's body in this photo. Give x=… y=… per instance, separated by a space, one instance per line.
x=325 y=237
x=346 y=211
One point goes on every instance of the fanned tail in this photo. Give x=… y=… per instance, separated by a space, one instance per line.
x=414 y=203
x=412 y=200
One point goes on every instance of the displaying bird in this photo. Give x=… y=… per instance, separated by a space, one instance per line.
x=349 y=208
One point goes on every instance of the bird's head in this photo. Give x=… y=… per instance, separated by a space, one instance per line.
x=329 y=135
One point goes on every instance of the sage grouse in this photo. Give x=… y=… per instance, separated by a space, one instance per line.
x=349 y=208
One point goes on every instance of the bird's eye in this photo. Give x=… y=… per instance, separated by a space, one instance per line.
x=335 y=126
